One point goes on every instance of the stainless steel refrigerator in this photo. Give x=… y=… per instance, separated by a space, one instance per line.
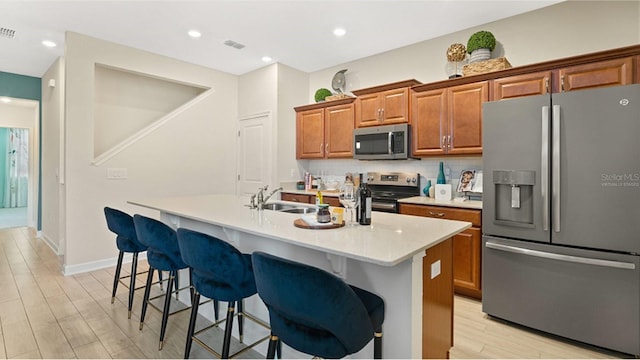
x=561 y=214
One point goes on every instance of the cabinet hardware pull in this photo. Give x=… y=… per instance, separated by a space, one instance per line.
x=449 y=142
x=546 y=85
x=436 y=214
x=443 y=144
x=321 y=146
x=562 y=83
x=326 y=149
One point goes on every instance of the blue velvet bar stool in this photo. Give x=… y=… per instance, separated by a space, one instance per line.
x=163 y=254
x=220 y=272
x=121 y=224
x=316 y=312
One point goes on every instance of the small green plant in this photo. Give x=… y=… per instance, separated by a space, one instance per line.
x=322 y=93
x=481 y=40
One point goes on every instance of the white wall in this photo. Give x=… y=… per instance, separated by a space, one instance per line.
x=562 y=30
x=52 y=131
x=292 y=87
x=187 y=155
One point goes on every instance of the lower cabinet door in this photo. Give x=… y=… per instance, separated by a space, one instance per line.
x=466 y=263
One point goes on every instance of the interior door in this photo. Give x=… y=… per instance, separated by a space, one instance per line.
x=254 y=153
x=599 y=177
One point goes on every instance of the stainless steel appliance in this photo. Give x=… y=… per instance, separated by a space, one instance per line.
x=388 y=187
x=387 y=142
x=561 y=214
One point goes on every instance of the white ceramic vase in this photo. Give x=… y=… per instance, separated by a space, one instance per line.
x=480 y=55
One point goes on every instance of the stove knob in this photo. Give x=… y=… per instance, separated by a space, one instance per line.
x=408 y=180
x=414 y=180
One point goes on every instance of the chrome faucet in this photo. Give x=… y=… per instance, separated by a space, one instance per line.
x=269 y=196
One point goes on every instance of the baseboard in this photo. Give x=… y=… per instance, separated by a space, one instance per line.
x=49 y=243
x=99 y=264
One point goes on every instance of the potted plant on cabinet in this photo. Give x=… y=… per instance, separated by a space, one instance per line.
x=480 y=45
x=321 y=94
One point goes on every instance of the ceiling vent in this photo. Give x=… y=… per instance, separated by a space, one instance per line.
x=234 y=44
x=8 y=33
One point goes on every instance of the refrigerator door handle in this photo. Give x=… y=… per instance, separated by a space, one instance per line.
x=561 y=257
x=544 y=168
x=555 y=180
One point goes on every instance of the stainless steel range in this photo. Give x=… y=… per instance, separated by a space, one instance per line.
x=388 y=187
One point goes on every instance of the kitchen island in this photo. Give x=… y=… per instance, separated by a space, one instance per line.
x=406 y=260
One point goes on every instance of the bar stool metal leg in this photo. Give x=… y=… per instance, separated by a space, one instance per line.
x=116 y=279
x=132 y=284
x=377 y=344
x=165 y=311
x=240 y=319
x=145 y=299
x=227 y=331
x=192 y=323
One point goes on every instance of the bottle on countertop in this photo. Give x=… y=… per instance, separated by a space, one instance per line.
x=365 y=202
x=441 y=179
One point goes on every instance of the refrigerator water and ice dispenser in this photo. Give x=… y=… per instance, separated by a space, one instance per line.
x=514 y=197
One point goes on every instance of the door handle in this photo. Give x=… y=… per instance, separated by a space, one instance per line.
x=555 y=180
x=561 y=257
x=544 y=168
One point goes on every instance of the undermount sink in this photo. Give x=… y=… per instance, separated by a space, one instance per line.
x=300 y=210
x=290 y=208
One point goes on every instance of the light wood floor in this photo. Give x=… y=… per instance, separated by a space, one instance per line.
x=44 y=314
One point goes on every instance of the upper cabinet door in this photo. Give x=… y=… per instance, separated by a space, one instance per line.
x=465 y=117
x=429 y=121
x=521 y=85
x=339 y=131
x=368 y=112
x=603 y=73
x=310 y=134
x=395 y=106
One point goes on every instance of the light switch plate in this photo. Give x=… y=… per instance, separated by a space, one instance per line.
x=117 y=173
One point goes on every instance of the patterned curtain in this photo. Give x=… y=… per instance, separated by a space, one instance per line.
x=17 y=168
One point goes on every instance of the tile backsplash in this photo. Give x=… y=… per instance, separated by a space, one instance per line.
x=426 y=167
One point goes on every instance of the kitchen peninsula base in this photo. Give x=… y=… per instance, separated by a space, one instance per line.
x=405 y=260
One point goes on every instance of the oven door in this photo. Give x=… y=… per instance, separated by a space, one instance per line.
x=384 y=205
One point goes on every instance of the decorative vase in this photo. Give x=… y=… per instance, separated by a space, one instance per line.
x=441 y=179
x=425 y=191
x=480 y=55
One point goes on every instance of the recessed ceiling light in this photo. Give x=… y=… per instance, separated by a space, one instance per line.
x=339 y=32
x=194 y=33
x=48 y=43
x=266 y=58
x=5 y=100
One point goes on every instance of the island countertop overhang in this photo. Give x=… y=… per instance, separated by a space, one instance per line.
x=388 y=241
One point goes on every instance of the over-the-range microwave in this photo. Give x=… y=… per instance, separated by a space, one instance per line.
x=386 y=142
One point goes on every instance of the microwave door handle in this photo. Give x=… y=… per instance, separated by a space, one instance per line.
x=390 y=143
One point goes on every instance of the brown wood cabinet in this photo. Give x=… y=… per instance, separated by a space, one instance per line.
x=325 y=131
x=521 y=85
x=467 y=245
x=301 y=198
x=309 y=199
x=579 y=77
x=437 y=301
x=597 y=74
x=383 y=105
x=448 y=120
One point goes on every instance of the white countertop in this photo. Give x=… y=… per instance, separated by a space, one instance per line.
x=423 y=200
x=389 y=240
